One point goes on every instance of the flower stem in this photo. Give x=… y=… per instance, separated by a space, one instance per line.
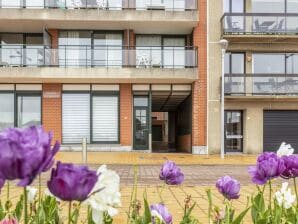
x=39 y=189
x=25 y=206
x=270 y=192
x=69 y=213
x=8 y=191
x=296 y=191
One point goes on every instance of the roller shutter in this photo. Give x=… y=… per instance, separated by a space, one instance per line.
x=105 y=119
x=75 y=117
x=280 y=126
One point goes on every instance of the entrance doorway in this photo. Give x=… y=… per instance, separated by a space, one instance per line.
x=233 y=131
x=162 y=118
x=141 y=123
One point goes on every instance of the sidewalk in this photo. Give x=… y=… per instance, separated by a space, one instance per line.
x=131 y=158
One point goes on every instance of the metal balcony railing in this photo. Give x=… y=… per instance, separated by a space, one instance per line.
x=259 y=23
x=98 y=56
x=261 y=84
x=171 y=5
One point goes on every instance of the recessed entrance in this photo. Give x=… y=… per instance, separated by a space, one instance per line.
x=164 y=124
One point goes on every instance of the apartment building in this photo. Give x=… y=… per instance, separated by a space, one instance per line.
x=260 y=68
x=123 y=74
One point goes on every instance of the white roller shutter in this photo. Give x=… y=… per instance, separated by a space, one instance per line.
x=105 y=120
x=75 y=117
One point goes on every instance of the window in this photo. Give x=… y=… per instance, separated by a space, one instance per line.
x=269 y=63
x=34 y=50
x=75 y=48
x=6 y=110
x=28 y=110
x=292 y=6
x=11 y=4
x=157 y=51
x=107 y=49
x=236 y=6
x=265 y=6
x=75 y=117
x=292 y=63
x=99 y=123
x=234 y=63
x=35 y=3
x=174 y=52
x=105 y=118
x=233 y=131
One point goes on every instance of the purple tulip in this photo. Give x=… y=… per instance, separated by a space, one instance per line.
x=171 y=173
x=268 y=166
x=72 y=183
x=160 y=211
x=291 y=164
x=25 y=153
x=9 y=221
x=228 y=187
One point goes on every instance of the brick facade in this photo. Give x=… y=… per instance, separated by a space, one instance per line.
x=199 y=120
x=125 y=115
x=52 y=109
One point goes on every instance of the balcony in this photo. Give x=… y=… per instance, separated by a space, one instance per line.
x=71 y=63
x=143 y=16
x=259 y=25
x=254 y=85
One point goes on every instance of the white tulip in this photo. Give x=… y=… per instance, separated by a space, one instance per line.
x=285 y=150
x=105 y=195
x=284 y=197
x=31 y=193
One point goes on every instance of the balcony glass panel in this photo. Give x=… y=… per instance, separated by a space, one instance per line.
x=35 y=3
x=11 y=4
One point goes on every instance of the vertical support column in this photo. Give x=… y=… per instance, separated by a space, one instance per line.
x=52 y=109
x=248 y=70
x=54 y=51
x=199 y=96
x=129 y=43
x=126 y=117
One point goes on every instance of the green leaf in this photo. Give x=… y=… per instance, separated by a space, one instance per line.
x=19 y=208
x=147 y=213
x=240 y=217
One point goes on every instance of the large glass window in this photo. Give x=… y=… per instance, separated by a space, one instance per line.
x=234 y=64
x=105 y=118
x=236 y=6
x=148 y=50
x=269 y=63
x=6 y=110
x=11 y=3
x=75 y=48
x=292 y=63
x=265 y=6
x=28 y=110
x=233 y=131
x=174 y=52
x=233 y=23
x=34 y=50
x=292 y=6
x=107 y=49
x=35 y=3
x=11 y=49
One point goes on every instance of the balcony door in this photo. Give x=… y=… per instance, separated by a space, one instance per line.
x=174 y=52
x=107 y=49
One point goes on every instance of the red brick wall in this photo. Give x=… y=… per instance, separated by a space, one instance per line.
x=200 y=86
x=52 y=109
x=54 y=33
x=125 y=115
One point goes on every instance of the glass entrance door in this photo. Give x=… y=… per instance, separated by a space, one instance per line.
x=233 y=131
x=141 y=123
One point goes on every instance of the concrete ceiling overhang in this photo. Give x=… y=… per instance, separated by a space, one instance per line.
x=149 y=21
x=167 y=101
